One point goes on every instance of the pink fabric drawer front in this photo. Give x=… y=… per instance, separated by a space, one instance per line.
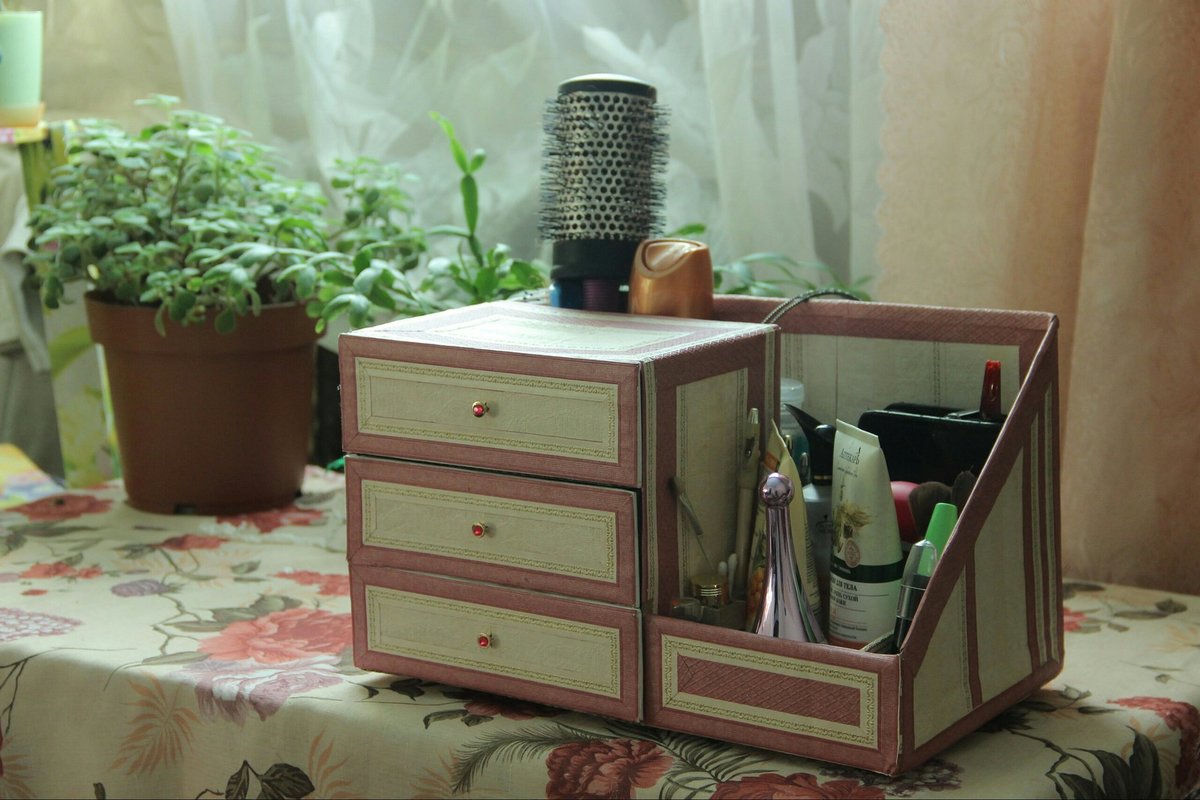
x=818 y=700
x=535 y=534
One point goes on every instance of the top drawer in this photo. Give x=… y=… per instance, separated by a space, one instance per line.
x=551 y=392
x=497 y=411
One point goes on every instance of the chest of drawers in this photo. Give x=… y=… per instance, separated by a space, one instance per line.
x=512 y=526
x=512 y=513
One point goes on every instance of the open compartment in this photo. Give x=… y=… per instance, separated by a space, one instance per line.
x=989 y=629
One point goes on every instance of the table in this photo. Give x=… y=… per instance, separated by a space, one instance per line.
x=158 y=656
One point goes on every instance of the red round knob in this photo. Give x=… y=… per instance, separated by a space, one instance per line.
x=485 y=640
x=479 y=408
x=478 y=529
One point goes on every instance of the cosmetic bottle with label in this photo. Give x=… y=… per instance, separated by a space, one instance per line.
x=791 y=400
x=818 y=494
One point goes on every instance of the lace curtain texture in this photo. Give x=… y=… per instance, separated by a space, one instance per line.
x=760 y=96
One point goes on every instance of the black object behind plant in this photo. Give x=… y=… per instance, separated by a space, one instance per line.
x=602 y=188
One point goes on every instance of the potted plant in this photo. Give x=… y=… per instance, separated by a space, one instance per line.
x=212 y=275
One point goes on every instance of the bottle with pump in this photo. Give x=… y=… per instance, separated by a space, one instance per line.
x=791 y=400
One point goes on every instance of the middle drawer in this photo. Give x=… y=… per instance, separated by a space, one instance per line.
x=549 y=536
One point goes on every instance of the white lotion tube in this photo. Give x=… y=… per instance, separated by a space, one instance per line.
x=867 y=562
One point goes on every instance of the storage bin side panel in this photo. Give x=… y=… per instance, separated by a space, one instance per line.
x=812 y=700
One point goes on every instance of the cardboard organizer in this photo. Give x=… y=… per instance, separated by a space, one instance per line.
x=512 y=528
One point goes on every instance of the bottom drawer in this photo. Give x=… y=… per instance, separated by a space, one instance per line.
x=814 y=700
x=551 y=650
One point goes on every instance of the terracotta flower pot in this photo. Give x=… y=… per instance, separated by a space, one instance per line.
x=209 y=423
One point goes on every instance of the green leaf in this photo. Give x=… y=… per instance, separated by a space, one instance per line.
x=174 y=659
x=256 y=253
x=364 y=282
x=456 y=148
x=687 y=231
x=197 y=626
x=244 y=568
x=360 y=310
x=181 y=304
x=1145 y=777
x=226 y=321
x=362 y=260
x=285 y=782
x=336 y=307
x=438 y=716
x=238 y=785
x=1140 y=614
x=477 y=159
x=270 y=603
x=470 y=201
x=486 y=281
x=448 y=230
x=1080 y=787
x=306 y=281
x=1170 y=606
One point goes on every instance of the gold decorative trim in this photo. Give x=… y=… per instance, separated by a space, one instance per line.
x=602 y=522
x=866 y=733
x=401 y=601
x=606 y=450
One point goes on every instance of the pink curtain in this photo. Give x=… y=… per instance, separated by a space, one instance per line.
x=1047 y=156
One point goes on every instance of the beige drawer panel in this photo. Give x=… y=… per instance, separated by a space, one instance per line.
x=545 y=535
x=525 y=413
x=541 y=648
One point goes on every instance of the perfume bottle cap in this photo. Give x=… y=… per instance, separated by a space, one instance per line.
x=672 y=278
x=777 y=490
x=941 y=525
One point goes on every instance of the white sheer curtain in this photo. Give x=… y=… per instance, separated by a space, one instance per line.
x=774 y=110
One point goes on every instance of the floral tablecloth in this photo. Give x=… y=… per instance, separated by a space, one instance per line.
x=157 y=656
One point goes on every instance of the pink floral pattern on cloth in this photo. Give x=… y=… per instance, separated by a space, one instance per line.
x=1182 y=717
x=213 y=662
x=63 y=506
x=328 y=584
x=61 y=569
x=282 y=637
x=773 y=786
x=231 y=689
x=604 y=769
x=267 y=521
x=17 y=623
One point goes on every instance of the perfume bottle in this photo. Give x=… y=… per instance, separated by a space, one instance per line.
x=784 y=612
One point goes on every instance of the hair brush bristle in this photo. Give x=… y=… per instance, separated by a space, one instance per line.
x=604 y=156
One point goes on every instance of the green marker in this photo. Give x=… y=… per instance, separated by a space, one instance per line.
x=918 y=569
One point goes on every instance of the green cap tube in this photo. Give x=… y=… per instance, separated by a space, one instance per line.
x=941 y=525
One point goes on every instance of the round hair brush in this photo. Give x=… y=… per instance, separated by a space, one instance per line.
x=602 y=188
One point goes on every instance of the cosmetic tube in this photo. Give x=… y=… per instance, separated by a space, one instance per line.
x=918 y=569
x=867 y=561
x=784 y=612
